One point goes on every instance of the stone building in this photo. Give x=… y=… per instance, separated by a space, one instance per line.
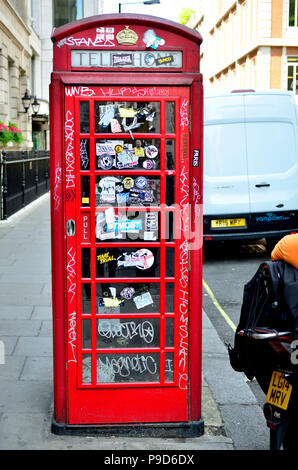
x=248 y=43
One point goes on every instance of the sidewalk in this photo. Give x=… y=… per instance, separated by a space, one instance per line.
x=26 y=394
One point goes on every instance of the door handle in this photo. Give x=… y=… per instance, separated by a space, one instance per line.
x=70 y=228
x=262 y=185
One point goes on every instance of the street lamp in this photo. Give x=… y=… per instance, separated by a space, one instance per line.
x=146 y=2
x=26 y=100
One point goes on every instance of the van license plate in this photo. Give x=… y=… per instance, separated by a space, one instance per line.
x=279 y=391
x=228 y=223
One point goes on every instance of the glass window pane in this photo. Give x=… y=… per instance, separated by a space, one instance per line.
x=84 y=154
x=132 y=367
x=127 y=190
x=127 y=262
x=65 y=11
x=127 y=226
x=170 y=297
x=85 y=191
x=170 y=154
x=127 y=117
x=169 y=339
x=86 y=369
x=292 y=12
x=128 y=333
x=170 y=262
x=130 y=154
x=86 y=263
x=170 y=190
x=290 y=77
x=127 y=298
x=169 y=367
x=84 y=117
x=86 y=298
x=170 y=117
x=86 y=334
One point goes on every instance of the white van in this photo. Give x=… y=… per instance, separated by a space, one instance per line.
x=250 y=165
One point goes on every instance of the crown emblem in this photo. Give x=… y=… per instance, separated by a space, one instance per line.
x=127 y=37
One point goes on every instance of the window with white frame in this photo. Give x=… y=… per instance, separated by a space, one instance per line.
x=293 y=74
x=293 y=13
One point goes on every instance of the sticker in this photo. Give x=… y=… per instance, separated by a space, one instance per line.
x=195 y=158
x=143 y=300
x=106 y=116
x=85 y=200
x=149 y=59
x=151 y=221
x=122 y=198
x=151 y=151
x=122 y=59
x=125 y=226
x=127 y=293
x=128 y=182
x=126 y=159
x=118 y=148
x=107 y=186
x=108 y=302
x=148 y=196
x=148 y=164
x=164 y=60
x=141 y=182
x=115 y=126
x=127 y=37
x=105 y=162
x=134 y=125
x=141 y=259
x=151 y=40
x=106 y=148
x=105 y=258
x=139 y=152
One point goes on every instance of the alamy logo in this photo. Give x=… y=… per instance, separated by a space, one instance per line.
x=2 y=353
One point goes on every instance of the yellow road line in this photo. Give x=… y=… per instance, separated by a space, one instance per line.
x=219 y=308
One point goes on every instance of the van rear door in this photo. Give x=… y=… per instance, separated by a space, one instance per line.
x=225 y=168
x=271 y=138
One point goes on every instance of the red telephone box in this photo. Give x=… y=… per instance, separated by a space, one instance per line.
x=126 y=198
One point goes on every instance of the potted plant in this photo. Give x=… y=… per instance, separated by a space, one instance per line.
x=5 y=134
x=17 y=136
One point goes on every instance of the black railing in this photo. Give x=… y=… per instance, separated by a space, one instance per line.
x=24 y=177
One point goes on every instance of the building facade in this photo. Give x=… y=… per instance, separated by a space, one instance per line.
x=248 y=43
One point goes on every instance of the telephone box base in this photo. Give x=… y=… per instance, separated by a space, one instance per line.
x=162 y=430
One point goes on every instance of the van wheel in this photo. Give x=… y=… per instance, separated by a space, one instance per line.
x=270 y=244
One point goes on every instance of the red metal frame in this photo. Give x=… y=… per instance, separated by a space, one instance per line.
x=75 y=402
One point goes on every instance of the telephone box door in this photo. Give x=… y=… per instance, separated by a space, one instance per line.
x=127 y=224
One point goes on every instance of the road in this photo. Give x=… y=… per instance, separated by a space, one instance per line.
x=226 y=268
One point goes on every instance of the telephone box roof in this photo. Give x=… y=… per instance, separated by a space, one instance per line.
x=125 y=18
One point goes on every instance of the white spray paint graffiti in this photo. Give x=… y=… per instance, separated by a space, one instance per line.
x=184 y=114
x=57 y=184
x=69 y=152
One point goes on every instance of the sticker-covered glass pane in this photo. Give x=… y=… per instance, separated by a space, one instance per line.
x=169 y=367
x=84 y=117
x=170 y=154
x=127 y=262
x=170 y=297
x=120 y=298
x=86 y=369
x=128 y=333
x=86 y=263
x=170 y=117
x=127 y=117
x=86 y=298
x=128 y=367
x=127 y=190
x=127 y=154
x=127 y=226
x=85 y=191
x=85 y=154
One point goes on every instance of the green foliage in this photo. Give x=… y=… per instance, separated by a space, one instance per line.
x=185 y=14
x=10 y=133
